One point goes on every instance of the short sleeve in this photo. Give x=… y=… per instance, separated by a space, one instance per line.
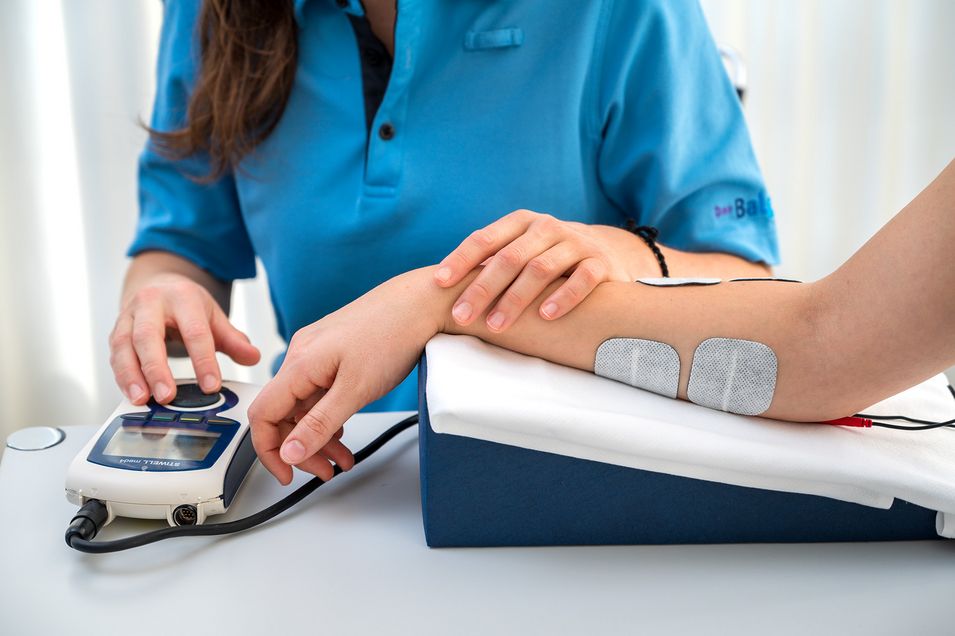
x=200 y=222
x=675 y=152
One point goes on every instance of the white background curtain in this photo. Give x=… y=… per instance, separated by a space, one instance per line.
x=851 y=105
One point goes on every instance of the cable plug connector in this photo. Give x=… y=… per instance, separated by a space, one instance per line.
x=87 y=521
x=856 y=421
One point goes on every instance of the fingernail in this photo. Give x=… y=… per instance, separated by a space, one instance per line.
x=495 y=320
x=549 y=310
x=293 y=452
x=161 y=391
x=443 y=274
x=462 y=311
x=134 y=392
x=209 y=383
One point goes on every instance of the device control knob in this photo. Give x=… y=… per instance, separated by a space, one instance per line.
x=190 y=396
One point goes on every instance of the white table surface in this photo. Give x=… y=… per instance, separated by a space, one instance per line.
x=351 y=559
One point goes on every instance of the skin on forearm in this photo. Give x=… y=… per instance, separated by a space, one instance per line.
x=147 y=266
x=681 y=264
x=879 y=324
x=779 y=315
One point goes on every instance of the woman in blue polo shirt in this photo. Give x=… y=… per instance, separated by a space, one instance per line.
x=343 y=143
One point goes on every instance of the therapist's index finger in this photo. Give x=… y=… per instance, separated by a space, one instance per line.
x=148 y=336
x=196 y=333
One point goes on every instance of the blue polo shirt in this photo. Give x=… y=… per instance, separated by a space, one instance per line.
x=591 y=111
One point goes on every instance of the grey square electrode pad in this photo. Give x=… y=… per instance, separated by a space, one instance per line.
x=645 y=364
x=738 y=376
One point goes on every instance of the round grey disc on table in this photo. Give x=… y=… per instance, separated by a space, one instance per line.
x=35 y=438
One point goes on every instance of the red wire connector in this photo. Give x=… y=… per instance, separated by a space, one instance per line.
x=858 y=422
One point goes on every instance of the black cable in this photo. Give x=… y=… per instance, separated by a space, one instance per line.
x=91 y=516
x=900 y=427
x=925 y=424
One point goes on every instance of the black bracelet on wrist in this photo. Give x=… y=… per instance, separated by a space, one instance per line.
x=649 y=235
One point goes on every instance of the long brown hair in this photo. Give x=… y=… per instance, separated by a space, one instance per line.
x=249 y=51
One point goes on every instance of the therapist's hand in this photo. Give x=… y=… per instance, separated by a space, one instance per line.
x=525 y=252
x=174 y=307
x=336 y=366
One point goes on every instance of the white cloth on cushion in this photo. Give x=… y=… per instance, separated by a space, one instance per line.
x=484 y=392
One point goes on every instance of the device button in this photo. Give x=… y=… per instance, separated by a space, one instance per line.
x=219 y=420
x=190 y=396
x=163 y=417
x=191 y=419
x=134 y=416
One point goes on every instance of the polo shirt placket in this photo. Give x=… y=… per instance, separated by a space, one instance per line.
x=385 y=147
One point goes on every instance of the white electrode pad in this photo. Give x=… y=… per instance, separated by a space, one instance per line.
x=738 y=376
x=645 y=364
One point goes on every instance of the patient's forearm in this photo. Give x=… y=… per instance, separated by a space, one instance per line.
x=779 y=315
x=881 y=323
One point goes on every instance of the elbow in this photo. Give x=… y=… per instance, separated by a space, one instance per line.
x=815 y=381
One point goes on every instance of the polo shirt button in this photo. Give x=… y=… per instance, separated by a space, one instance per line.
x=342 y=4
x=386 y=131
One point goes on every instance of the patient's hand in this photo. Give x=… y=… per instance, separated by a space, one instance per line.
x=336 y=366
x=525 y=252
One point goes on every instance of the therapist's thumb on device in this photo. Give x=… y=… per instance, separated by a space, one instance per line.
x=317 y=427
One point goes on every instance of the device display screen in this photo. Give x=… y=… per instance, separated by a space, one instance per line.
x=161 y=443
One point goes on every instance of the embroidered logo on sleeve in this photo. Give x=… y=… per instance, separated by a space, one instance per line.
x=742 y=208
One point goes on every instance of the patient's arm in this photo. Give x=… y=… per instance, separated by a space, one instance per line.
x=881 y=323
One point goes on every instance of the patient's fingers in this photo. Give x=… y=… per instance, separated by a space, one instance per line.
x=320 y=464
x=317 y=428
x=339 y=453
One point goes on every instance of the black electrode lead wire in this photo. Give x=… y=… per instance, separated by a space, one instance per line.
x=229 y=527
x=925 y=424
